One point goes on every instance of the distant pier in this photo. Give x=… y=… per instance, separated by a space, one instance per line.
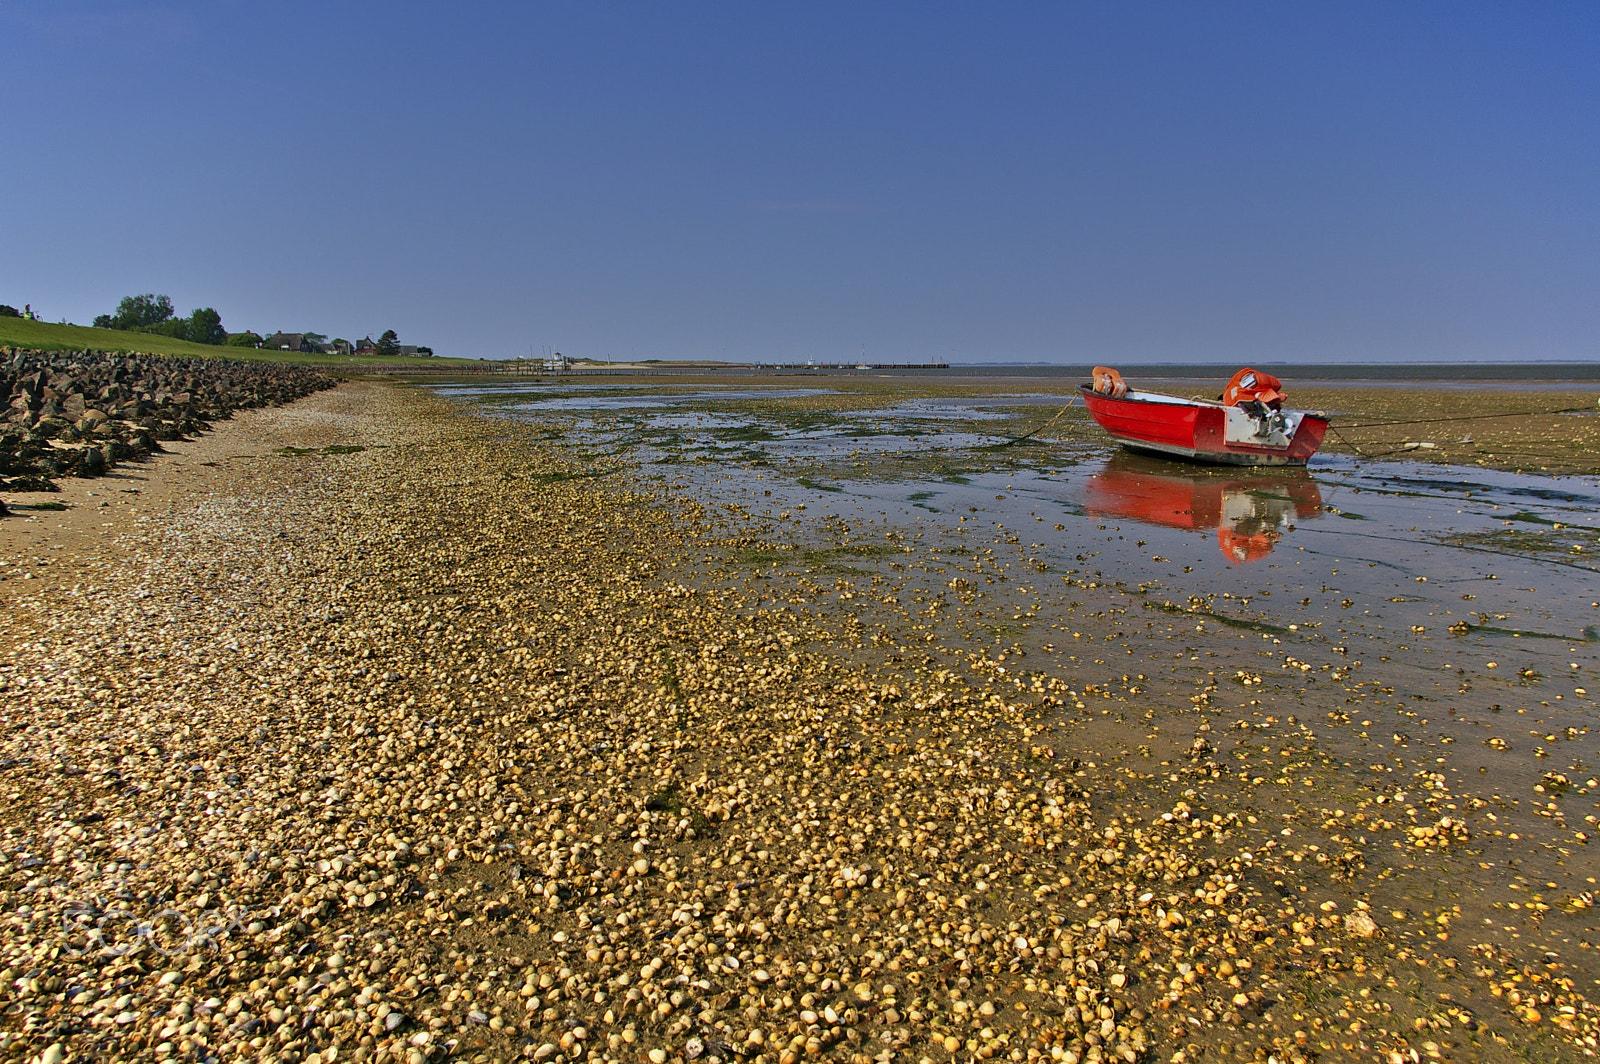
x=846 y=367
x=545 y=368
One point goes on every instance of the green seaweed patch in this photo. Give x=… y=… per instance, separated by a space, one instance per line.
x=1591 y=634
x=51 y=505
x=849 y=550
x=1222 y=619
x=745 y=434
x=669 y=800
x=666 y=800
x=1007 y=443
x=562 y=475
x=756 y=556
x=337 y=448
x=669 y=679
x=1578 y=548
x=807 y=482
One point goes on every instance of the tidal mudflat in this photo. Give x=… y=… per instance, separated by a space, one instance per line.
x=402 y=732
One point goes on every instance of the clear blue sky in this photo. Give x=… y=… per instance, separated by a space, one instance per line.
x=1055 y=182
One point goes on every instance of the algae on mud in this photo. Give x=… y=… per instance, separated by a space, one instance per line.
x=1490 y=424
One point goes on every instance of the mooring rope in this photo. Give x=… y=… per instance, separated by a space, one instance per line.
x=1041 y=428
x=1469 y=417
x=1333 y=428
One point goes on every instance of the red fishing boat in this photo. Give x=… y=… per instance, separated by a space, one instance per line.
x=1247 y=425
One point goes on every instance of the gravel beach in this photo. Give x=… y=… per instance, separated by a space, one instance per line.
x=362 y=729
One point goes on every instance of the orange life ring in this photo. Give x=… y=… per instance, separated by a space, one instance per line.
x=1248 y=385
x=1108 y=381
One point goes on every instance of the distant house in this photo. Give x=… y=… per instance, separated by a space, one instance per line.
x=369 y=346
x=289 y=342
x=337 y=347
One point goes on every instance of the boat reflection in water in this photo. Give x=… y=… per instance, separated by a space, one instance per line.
x=1250 y=509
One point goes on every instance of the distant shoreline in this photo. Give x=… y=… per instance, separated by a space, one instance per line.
x=1353 y=373
x=1405 y=371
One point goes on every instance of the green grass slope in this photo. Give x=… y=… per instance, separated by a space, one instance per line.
x=43 y=336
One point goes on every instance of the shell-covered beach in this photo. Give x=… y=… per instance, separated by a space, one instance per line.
x=370 y=727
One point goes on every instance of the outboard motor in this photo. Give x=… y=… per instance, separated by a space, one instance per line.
x=1259 y=395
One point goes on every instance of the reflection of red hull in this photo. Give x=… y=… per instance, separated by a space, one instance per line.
x=1198 y=430
x=1250 y=511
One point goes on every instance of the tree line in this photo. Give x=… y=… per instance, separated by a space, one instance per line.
x=150 y=313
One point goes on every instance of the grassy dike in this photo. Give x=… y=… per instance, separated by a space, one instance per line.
x=43 y=336
x=399 y=740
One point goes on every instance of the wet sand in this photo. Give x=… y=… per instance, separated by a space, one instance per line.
x=473 y=742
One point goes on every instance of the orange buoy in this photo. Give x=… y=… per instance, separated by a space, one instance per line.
x=1108 y=381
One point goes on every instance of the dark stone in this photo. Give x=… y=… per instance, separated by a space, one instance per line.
x=91 y=463
x=29 y=483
